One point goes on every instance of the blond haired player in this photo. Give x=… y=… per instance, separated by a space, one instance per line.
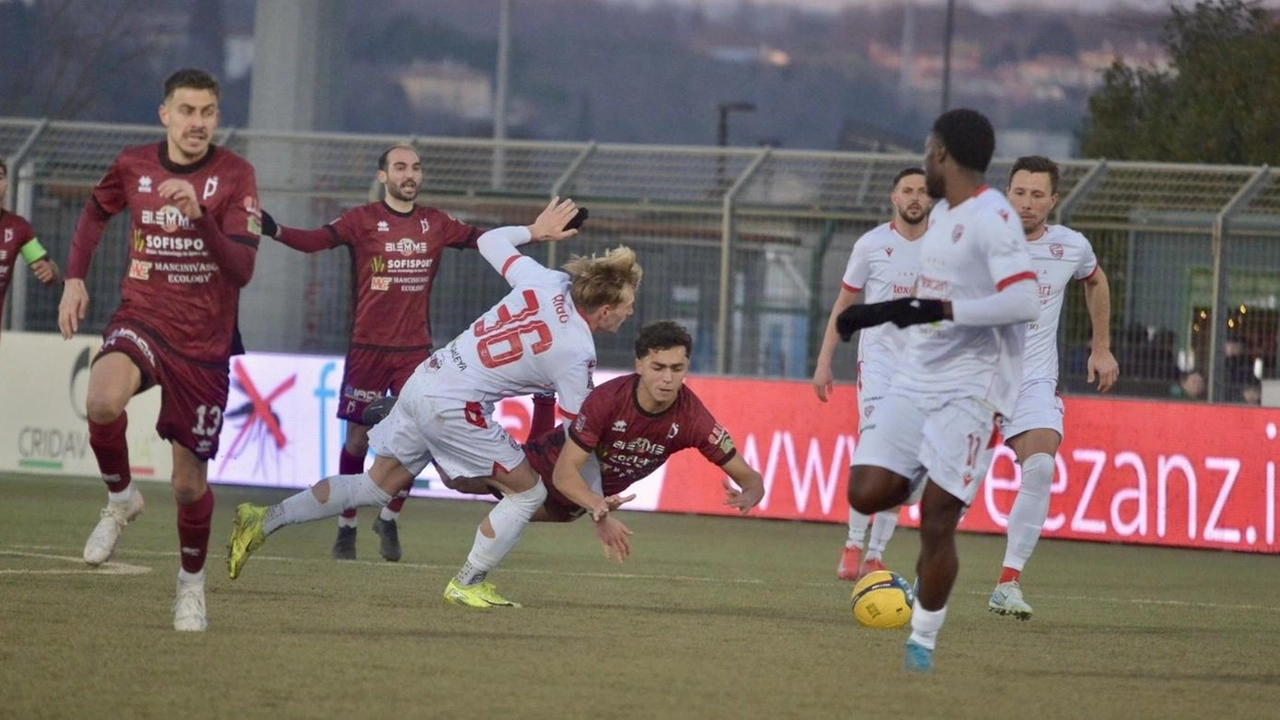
x=881 y=267
x=1034 y=431
x=538 y=338
x=933 y=435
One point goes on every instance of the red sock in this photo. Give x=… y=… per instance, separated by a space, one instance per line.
x=111 y=447
x=349 y=464
x=397 y=502
x=544 y=415
x=193 y=531
x=1009 y=575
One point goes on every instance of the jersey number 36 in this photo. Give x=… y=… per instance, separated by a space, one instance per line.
x=502 y=343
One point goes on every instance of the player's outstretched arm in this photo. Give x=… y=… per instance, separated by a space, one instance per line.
x=750 y=482
x=1015 y=302
x=1102 y=364
x=307 y=241
x=551 y=222
x=823 y=378
x=568 y=479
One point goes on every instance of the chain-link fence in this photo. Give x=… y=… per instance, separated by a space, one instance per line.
x=744 y=246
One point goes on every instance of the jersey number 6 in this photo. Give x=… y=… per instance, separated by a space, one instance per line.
x=509 y=331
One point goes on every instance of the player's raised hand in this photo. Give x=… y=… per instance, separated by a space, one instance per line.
x=72 y=308
x=823 y=382
x=1103 y=365
x=551 y=221
x=616 y=501
x=46 y=271
x=743 y=500
x=183 y=194
x=614 y=538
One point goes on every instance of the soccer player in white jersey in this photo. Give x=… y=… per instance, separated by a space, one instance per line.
x=881 y=267
x=931 y=438
x=1034 y=431
x=538 y=338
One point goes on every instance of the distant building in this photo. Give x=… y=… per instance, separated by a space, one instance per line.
x=448 y=88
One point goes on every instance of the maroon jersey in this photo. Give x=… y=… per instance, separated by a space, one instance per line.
x=630 y=443
x=184 y=278
x=395 y=257
x=14 y=233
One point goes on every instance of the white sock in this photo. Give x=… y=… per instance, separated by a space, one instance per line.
x=345 y=522
x=186 y=577
x=123 y=496
x=345 y=491
x=857 y=528
x=925 y=625
x=387 y=514
x=881 y=530
x=508 y=519
x=1030 y=509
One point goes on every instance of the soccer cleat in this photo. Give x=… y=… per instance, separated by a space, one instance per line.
x=480 y=595
x=246 y=537
x=112 y=519
x=1006 y=599
x=188 y=609
x=918 y=658
x=344 y=546
x=850 y=561
x=871 y=565
x=390 y=534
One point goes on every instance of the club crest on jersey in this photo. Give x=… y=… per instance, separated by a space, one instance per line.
x=888 y=251
x=382 y=226
x=8 y=235
x=210 y=187
x=1056 y=251
x=674 y=431
x=1004 y=215
x=619 y=426
x=869 y=409
x=426 y=226
x=144 y=184
x=956 y=232
x=405 y=246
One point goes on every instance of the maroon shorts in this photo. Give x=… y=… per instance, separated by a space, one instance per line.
x=369 y=374
x=559 y=507
x=193 y=394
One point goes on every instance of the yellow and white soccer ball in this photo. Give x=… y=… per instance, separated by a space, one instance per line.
x=883 y=600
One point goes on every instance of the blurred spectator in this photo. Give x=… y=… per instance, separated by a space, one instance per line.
x=1190 y=386
x=1251 y=393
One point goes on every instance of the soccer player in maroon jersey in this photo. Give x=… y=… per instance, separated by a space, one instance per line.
x=17 y=238
x=194 y=226
x=395 y=248
x=626 y=430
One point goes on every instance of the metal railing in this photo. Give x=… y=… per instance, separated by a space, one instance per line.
x=745 y=246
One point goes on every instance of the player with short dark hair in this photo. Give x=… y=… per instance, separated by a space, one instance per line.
x=395 y=248
x=931 y=439
x=18 y=239
x=1034 y=430
x=194 y=221
x=882 y=266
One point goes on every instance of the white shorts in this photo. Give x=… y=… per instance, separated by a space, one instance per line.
x=462 y=438
x=1038 y=408
x=947 y=442
x=873 y=383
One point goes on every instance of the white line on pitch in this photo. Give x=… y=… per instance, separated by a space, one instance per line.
x=110 y=568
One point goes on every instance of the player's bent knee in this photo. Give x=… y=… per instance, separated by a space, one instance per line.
x=103 y=410
x=872 y=489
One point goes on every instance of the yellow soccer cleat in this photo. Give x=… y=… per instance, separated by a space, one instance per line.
x=480 y=595
x=246 y=537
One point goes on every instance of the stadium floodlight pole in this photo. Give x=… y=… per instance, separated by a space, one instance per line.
x=947 y=31
x=722 y=131
x=501 y=91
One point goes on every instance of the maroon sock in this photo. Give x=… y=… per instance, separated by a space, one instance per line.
x=193 y=531
x=397 y=502
x=111 y=447
x=544 y=415
x=349 y=464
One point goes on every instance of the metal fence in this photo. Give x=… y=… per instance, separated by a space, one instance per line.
x=744 y=246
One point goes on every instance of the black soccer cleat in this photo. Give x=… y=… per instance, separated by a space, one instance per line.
x=390 y=534
x=344 y=548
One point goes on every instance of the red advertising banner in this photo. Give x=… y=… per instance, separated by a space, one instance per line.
x=1154 y=473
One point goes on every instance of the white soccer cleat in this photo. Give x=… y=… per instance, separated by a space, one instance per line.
x=188 y=609
x=1006 y=599
x=102 y=541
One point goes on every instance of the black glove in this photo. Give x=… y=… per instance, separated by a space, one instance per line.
x=377 y=410
x=902 y=312
x=269 y=226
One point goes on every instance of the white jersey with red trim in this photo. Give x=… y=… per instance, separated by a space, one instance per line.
x=971 y=251
x=534 y=340
x=1057 y=256
x=883 y=266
